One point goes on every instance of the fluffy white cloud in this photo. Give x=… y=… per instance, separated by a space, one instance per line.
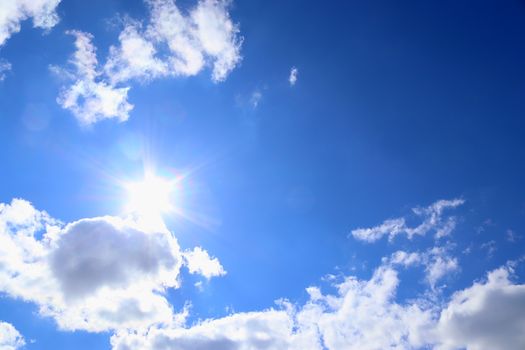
x=109 y=274
x=489 y=315
x=92 y=274
x=292 y=79
x=10 y=338
x=12 y=12
x=205 y=36
x=199 y=261
x=173 y=43
x=438 y=264
x=90 y=98
x=362 y=315
x=432 y=221
x=135 y=57
x=437 y=261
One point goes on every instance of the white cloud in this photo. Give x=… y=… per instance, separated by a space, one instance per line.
x=10 y=338
x=106 y=273
x=438 y=264
x=406 y=259
x=173 y=43
x=490 y=246
x=199 y=261
x=90 y=98
x=437 y=261
x=135 y=57
x=432 y=221
x=256 y=98
x=292 y=79
x=362 y=315
x=512 y=236
x=12 y=12
x=489 y=315
x=4 y=67
x=205 y=36
x=93 y=274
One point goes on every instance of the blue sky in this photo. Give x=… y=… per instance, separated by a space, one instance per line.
x=262 y=175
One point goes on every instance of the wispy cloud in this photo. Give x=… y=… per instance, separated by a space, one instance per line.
x=256 y=98
x=432 y=221
x=4 y=67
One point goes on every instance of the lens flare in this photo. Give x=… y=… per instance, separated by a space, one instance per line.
x=149 y=198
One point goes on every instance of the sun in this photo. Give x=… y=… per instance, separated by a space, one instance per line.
x=150 y=197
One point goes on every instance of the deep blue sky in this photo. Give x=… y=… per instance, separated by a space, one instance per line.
x=397 y=104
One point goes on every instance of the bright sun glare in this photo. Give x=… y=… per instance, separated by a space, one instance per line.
x=150 y=197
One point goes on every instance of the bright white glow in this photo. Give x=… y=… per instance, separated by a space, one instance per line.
x=150 y=197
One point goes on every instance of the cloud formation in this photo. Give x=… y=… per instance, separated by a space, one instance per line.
x=437 y=262
x=292 y=79
x=199 y=261
x=13 y=12
x=108 y=273
x=432 y=221
x=362 y=315
x=10 y=338
x=172 y=44
x=4 y=68
x=93 y=274
x=487 y=315
x=90 y=98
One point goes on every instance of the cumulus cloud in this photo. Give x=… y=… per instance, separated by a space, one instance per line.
x=205 y=36
x=135 y=57
x=199 y=261
x=10 y=338
x=292 y=79
x=433 y=221
x=488 y=315
x=90 y=98
x=363 y=314
x=93 y=274
x=437 y=262
x=13 y=12
x=109 y=274
x=173 y=44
